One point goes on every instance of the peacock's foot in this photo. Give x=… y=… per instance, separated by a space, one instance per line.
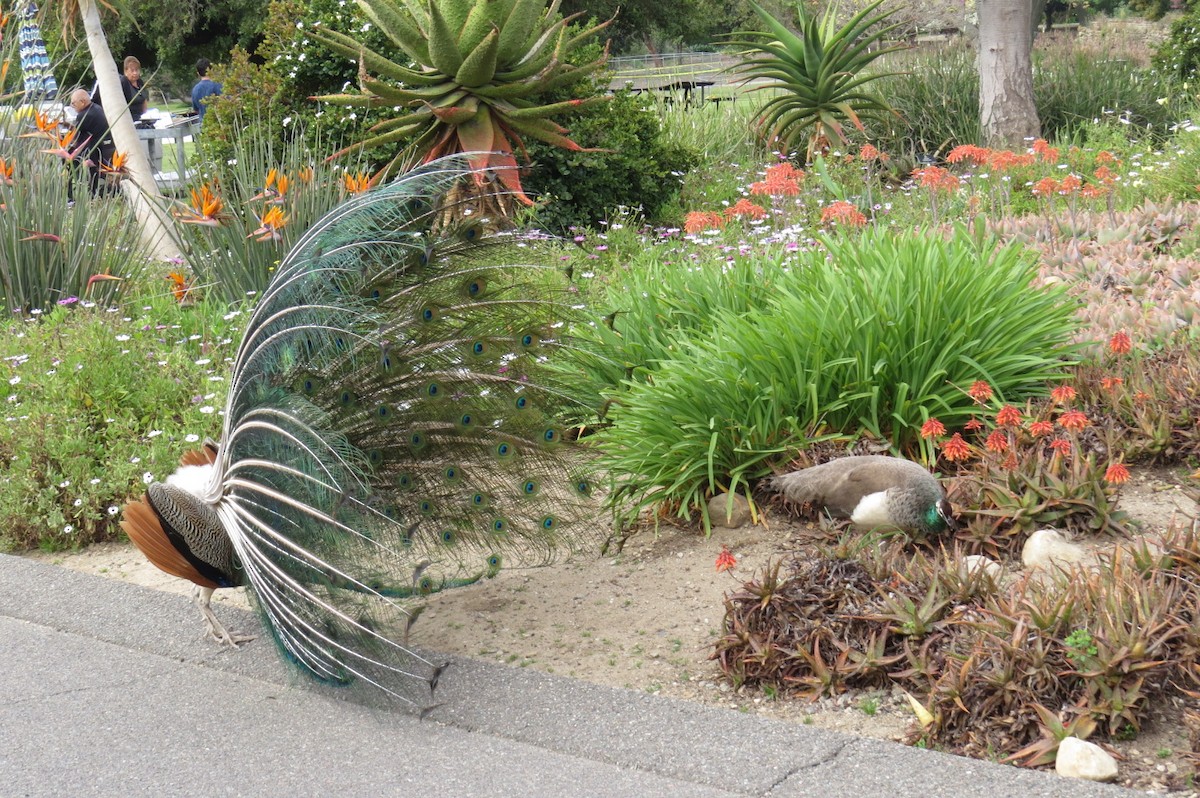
x=216 y=630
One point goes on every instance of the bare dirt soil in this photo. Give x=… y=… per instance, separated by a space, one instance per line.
x=646 y=618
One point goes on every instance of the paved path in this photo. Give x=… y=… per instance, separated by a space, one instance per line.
x=107 y=689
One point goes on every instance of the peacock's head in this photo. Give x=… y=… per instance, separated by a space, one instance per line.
x=940 y=517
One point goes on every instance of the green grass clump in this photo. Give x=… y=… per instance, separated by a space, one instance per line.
x=98 y=402
x=869 y=335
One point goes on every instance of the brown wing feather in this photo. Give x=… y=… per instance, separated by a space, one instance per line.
x=199 y=457
x=141 y=523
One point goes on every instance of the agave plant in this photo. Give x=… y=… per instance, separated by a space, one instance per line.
x=817 y=74
x=469 y=80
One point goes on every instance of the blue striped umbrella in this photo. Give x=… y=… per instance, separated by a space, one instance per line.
x=35 y=63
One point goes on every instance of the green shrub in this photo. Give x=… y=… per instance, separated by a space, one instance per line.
x=872 y=334
x=96 y=402
x=632 y=166
x=1179 y=55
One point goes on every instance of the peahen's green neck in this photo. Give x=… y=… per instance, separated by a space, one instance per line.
x=934 y=521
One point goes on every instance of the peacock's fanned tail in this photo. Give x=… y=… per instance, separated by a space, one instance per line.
x=389 y=427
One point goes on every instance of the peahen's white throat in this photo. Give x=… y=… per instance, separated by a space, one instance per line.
x=389 y=432
x=872 y=491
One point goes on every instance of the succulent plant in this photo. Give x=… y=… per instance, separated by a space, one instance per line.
x=469 y=77
x=819 y=73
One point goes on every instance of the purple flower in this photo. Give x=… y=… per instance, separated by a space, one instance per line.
x=70 y=300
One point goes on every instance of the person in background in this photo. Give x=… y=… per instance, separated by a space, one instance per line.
x=204 y=88
x=132 y=85
x=93 y=144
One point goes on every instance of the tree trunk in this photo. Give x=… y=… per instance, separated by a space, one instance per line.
x=140 y=189
x=1007 y=115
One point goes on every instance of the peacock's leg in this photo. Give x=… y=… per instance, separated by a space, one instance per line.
x=202 y=597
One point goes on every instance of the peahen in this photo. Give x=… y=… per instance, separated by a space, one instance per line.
x=873 y=491
x=388 y=433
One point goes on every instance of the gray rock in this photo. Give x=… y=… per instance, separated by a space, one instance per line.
x=722 y=515
x=1079 y=759
x=1048 y=548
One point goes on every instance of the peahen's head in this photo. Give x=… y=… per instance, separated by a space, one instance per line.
x=939 y=517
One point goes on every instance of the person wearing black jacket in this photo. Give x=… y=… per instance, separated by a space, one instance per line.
x=133 y=87
x=93 y=143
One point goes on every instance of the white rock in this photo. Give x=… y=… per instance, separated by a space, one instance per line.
x=1080 y=759
x=722 y=515
x=1049 y=548
x=973 y=563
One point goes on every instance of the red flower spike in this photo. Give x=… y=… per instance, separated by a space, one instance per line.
x=980 y=391
x=725 y=560
x=1073 y=420
x=1040 y=429
x=1061 y=446
x=956 y=449
x=974 y=425
x=1117 y=474
x=996 y=442
x=1008 y=416
x=1120 y=343
x=1063 y=394
x=933 y=429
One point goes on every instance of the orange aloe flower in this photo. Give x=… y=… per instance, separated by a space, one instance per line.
x=745 y=207
x=1008 y=416
x=870 y=153
x=1119 y=344
x=696 y=221
x=1117 y=474
x=269 y=226
x=980 y=391
x=1111 y=383
x=996 y=441
x=936 y=178
x=1003 y=160
x=1045 y=187
x=1070 y=184
x=969 y=152
x=206 y=208
x=1040 y=429
x=1045 y=151
x=956 y=449
x=1061 y=446
x=1063 y=394
x=933 y=429
x=356 y=184
x=1073 y=420
x=725 y=560
x=842 y=212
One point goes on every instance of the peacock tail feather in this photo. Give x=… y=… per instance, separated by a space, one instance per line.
x=390 y=427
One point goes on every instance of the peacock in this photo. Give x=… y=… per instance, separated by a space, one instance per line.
x=873 y=491
x=388 y=433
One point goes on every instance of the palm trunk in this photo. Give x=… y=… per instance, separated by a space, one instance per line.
x=140 y=189
x=1007 y=114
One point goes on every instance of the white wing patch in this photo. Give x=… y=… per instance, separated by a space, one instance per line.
x=872 y=510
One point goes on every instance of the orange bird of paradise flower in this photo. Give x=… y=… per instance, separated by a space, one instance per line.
x=205 y=209
x=6 y=172
x=181 y=288
x=270 y=225
x=47 y=128
x=64 y=144
x=356 y=184
x=117 y=167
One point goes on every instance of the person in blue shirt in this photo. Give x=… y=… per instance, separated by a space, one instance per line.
x=204 y=88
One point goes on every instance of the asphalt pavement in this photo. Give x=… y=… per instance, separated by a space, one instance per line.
x=107 y=688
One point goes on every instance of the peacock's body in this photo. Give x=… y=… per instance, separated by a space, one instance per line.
x=387 y=434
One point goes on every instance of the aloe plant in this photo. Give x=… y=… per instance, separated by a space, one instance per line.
x=468 y=79
x=818 y=74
